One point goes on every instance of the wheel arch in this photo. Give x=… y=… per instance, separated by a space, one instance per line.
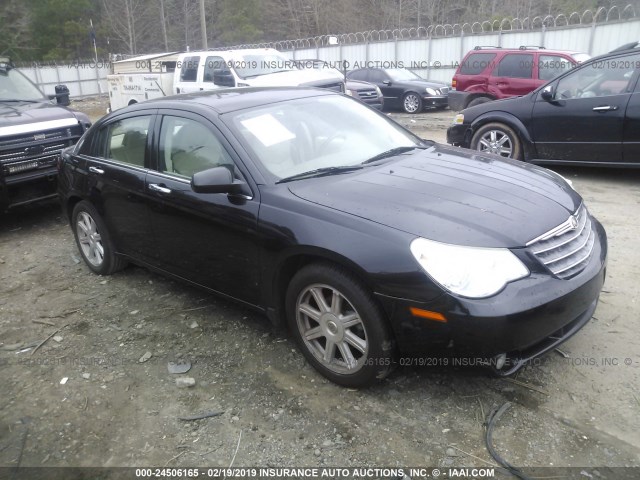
x=511 y=121
x=294 y=261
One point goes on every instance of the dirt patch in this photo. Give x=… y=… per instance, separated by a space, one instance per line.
x=115 y=410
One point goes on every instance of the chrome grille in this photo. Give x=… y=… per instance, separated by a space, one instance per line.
x=443 y=90
x=566 y=249
x=21 y=153
x=367 y=94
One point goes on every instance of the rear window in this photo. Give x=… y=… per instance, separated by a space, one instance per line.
x=516 y=66
x=476 y=63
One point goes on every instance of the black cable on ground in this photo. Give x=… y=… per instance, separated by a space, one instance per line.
x=493 y=417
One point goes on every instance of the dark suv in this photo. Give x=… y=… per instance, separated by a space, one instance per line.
x=492 y=73
x=587 y=116
x=33 y=132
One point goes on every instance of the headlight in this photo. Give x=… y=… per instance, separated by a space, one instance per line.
x=351 y=93
x=458 y=119
x=473 y=272
x=431 y=91
x=378 y=91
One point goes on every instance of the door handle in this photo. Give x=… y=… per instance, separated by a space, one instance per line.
x=159 y=188
x=97 y=170
x=604 y=108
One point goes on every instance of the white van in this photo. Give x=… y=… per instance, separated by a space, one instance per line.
x=207 y=70
x=141 y=78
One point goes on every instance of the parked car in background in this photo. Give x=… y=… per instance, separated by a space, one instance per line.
x=492 y=73
x=332 y=219
x=364 y=91
x=590 y=115
x=33 y=132
x=262 y=67
x=401 y=88
x=146 y=77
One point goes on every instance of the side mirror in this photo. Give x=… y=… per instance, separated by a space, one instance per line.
x=223 y=78
x=386 y=82
x=216 y=180
x=62 y=95
x=547 y=93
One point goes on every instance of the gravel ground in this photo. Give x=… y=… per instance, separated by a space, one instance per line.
x=98 y=392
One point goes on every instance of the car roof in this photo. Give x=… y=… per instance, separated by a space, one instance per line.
x=224 y=100
x=522 y=49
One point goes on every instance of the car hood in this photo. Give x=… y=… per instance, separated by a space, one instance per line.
x=291 y=78
x=425 y=83
x=26 y=117
x=451 y=195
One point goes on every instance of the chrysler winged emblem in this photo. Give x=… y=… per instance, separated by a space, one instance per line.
x=573 y=221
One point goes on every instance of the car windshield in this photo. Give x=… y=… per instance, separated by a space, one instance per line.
x=14 y=86
x=256 y=65
x=325 y=132
x=400 y=74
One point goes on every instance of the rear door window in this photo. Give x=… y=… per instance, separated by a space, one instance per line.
x=516 y=65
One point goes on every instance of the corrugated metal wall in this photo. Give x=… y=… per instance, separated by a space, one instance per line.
x=81 y=79
x=434 y=58
x=437 y=58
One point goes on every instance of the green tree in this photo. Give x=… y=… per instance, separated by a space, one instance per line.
x=60 y=28
x=15 y=23
x=239 y=22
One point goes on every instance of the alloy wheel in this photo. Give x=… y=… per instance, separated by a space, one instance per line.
x=331 y=329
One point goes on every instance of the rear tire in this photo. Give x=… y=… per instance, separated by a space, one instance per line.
x=478 y=101
x=338 y=326
x=94 y=241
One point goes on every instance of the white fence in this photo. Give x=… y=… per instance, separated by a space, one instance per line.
x=437 y=57
x=82 y=79
x=433 y=52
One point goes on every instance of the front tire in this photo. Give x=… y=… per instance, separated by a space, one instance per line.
x=499 y=139
x=412 y=103
x=338 y=325
x=93 y=240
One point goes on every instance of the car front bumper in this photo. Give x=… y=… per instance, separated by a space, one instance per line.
x=429 y=101
x=526 y=319
x=459 y=135
x=28 y=187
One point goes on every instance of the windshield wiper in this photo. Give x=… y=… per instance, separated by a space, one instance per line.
x=318 y=172
x=392 y=153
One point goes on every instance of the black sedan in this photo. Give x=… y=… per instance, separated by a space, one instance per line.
x=588 y=116
x=401 y=88
x=327 y=216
